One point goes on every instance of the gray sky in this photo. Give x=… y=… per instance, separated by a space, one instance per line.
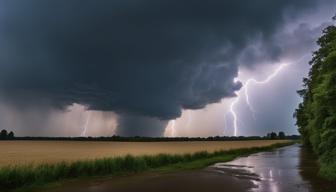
x=136 y=66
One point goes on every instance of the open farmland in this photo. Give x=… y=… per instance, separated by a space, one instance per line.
x=36 y=152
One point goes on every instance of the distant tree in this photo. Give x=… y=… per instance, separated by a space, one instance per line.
x=281 y=135
x=268 y=135
x=273 y=135
x=3 y=134
x=10 y=135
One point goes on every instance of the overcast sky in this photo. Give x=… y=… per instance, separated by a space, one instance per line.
x=153 y=68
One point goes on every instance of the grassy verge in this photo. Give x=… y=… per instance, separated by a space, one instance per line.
x=15 y=177
x=328 y=171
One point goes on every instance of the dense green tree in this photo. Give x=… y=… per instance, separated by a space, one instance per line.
x=10 y=135
x=3 y=134
x=281 y=135
x=273 y=135
x=316 y=115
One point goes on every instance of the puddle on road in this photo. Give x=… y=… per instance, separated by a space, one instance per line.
x=291 y=168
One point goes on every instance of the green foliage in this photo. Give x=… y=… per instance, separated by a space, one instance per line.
x=316 y=115
x=4 y=135
x=10 y=135
x=281 y=135
x=14 y=177
x=328 y=170
x=273 y=136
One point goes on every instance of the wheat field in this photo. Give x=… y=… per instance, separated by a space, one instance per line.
x=37 y=152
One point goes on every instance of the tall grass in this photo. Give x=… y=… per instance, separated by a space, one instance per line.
x=12 y=177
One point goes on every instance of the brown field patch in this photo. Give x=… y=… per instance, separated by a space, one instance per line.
x=27 y=152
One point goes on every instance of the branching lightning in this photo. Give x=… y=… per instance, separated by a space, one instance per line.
x=86 y=124
x=248 y=83
x=267 y=80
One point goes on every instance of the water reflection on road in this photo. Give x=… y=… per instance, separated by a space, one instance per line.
x=291 y=168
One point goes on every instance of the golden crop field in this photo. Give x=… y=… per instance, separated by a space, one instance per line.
x=28 y=152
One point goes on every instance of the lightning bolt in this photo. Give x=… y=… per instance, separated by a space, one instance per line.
x=234 y=115
x=173 y=131
x=172 y=123
x=86 y=124
x=265 y=81
x=254 y=81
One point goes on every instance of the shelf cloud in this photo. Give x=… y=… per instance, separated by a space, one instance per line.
x=139 y=58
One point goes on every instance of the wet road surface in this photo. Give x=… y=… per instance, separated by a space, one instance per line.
x=291 y=168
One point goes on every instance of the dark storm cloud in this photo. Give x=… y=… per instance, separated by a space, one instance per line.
x=135 y=125
x=274 y=103
x=144 y=57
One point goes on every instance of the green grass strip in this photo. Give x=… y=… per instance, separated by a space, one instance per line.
x=14 y=177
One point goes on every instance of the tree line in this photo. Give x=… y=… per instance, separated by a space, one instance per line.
x=316 y=115
x=274 y=135
x=271 y=136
